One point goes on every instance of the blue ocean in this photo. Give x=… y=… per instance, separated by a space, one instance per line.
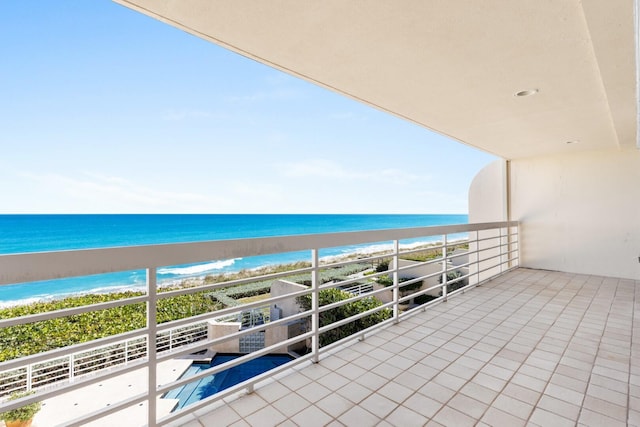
x=40 y=233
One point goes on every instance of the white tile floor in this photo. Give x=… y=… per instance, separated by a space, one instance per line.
x=529 y=348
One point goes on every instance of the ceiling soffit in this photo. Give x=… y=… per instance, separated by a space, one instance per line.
x=453 y=67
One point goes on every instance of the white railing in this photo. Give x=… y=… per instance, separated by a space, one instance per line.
x=489 y=249
x=359 y=288
x=68 y=368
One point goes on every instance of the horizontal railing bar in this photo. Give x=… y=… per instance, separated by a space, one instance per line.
x=361 y=333
x=31 y=267
x=226 y=311
x=492 y=257
x=499 y=246
x=355 y=317
x=377 y=274
x=231 y=283
x=69 y=350
x=346 y=282
x=410 y=282
x=498 y=265
x=5 y=323
x=437 y=246
x=208 y=343
x=351 y=299
x=107 y=410
x=366 y=259
x=437 y=260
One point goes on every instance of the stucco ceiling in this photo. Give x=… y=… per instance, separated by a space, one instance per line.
x=450 y=66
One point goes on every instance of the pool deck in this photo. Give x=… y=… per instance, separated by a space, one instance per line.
x=60 y=409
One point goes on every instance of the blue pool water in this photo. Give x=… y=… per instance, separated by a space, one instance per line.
x=207 y=386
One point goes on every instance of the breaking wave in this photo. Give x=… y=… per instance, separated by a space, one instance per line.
x=199 y=268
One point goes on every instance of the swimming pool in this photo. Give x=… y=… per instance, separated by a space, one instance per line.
x=207 y=386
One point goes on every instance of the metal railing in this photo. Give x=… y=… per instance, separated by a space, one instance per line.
x=68 y=368
x=482 y=251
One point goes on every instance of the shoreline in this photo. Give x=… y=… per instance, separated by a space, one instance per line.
x=200 y=280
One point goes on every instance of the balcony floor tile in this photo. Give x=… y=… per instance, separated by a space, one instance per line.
x=531 y=347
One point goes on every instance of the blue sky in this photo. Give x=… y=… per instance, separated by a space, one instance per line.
x=104 y=110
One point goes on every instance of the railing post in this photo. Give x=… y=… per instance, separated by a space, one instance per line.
x=29 y=376
x=71 y=367
x=518 y=243
x=502 y=260
x=444 y=267
x=396 y=281
x=170 y=339
x=315 y=305
x=151 y=345
x=509 y=246
x=477 y=257
x=126 y=352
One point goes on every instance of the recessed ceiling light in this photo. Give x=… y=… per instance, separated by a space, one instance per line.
x=572 y=142
x=527 y=92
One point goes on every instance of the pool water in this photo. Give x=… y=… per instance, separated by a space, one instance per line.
x=207 y=386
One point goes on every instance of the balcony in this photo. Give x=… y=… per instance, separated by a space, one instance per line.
x=136 y=374
x=496 y=343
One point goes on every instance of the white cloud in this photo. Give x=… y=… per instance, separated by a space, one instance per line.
x=96 y=193
x=99 y=193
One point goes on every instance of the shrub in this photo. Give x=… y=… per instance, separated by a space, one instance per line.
x=32 y=338
x=383 y=266
x=328 y=296
x=24 y=413
x=388 y=281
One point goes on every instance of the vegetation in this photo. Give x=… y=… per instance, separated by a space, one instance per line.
x=451 y=276
x=23 y=413
x=328 y=296
x=36 y=337
x=388 y=281
x=262 y=271
x=429 y=254
x=230 y=296
x=382 y=266
x=426 y=255
x=32 y=338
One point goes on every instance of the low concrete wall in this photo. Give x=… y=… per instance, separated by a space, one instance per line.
x=287 y=306
x=274 y=335
x=219 y=330
x=418 y=271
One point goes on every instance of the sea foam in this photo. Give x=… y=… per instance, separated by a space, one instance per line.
x=197 y=269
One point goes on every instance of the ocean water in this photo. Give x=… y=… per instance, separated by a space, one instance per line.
x=40 y=233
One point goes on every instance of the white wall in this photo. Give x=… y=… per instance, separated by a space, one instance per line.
x=487 y=198
x=579 y=213
x=288 y=306
x=419 y=271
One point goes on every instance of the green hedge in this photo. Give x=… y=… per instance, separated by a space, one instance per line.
x=328 y=296
x=32 y=338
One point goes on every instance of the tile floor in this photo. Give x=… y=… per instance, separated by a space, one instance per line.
x=538 y=348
